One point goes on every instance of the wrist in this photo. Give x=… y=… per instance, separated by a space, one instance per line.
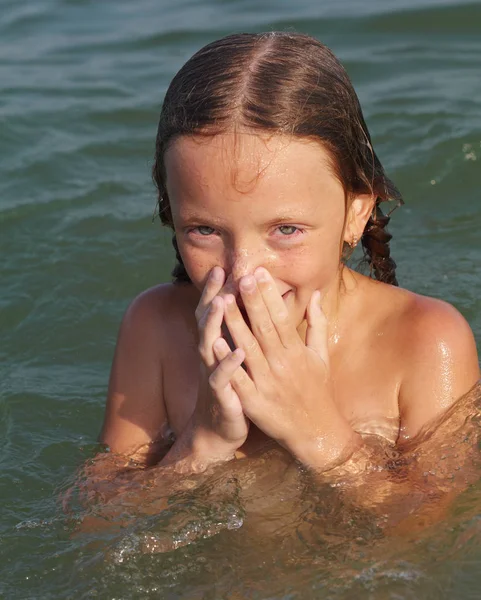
x=206 y=444
x=195 y=450
x=324 y=450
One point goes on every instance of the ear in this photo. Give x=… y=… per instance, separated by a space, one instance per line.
x=358 y=213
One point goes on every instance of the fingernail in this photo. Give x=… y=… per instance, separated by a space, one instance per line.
x=261 y=274
x=229 y=299
x=248 y=283
x=216 y=274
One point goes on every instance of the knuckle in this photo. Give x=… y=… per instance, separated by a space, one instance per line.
x=282 y=317
x=265 y=327
x=202 y=349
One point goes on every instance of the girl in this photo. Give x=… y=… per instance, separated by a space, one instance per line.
x=266 y=174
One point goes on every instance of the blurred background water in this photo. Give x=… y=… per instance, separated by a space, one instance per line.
x=81 y=84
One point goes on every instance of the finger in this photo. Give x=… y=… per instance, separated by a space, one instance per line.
x=212 y=287
x=229 y=362
x=316 y=334
x=210 y=328
x=277 y=308
x=239 y=379
x=244 y=338
x=260 y=319
x=220 y=382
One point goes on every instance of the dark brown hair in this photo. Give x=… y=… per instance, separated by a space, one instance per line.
x=285 y=83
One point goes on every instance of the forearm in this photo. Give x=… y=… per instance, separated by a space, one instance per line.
x=328 y=445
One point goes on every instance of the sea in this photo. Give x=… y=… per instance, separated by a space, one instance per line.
x=81 y=86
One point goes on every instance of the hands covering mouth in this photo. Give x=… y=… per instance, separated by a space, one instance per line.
x=286 y=387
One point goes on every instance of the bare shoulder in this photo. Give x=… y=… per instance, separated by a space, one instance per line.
x=162 y=303
x=136 y=414
x=438 y=353
x=420 y=325
x=432 y=327
x=160 y=319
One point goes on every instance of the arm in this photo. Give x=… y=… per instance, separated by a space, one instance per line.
x=136 y=427
x=136 y=420
x=135 y=423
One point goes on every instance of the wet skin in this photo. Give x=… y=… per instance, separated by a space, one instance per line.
x=260 y=223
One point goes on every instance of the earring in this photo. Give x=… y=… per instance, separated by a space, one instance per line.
x=353 y=242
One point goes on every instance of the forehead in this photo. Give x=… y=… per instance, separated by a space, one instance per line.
x=247 y=166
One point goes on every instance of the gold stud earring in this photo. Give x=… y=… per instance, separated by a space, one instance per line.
x=353 y=242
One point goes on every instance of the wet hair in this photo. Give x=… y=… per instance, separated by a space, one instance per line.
x=278 y=83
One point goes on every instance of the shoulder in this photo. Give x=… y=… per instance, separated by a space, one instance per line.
x=157 y=322
x=433 y=328
x=160 y=305
x=163 y=298
x=421 y=326
x=440 y=362
x=428 y=349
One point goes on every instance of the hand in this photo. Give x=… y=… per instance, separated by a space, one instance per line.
x=287 y=390
x=219 y=426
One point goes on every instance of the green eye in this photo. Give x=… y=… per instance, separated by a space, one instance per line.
x=205 y=230
x=287 y=229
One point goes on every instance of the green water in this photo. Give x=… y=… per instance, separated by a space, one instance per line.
x=81 y=85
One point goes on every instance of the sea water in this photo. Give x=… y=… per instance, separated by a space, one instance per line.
x=81 y=87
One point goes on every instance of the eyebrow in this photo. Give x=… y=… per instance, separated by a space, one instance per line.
x=196 y=218
x=193 y=219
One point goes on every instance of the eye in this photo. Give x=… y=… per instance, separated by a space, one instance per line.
x=204 y=230
x=288 y=229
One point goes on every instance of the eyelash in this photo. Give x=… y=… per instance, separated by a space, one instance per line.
x=196 y=230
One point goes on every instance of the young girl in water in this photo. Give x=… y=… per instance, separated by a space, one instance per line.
x=266 y=174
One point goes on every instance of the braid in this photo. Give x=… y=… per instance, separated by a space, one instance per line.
x=375 y=240
x=179 y=272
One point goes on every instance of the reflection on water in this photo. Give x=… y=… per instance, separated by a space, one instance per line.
x=407 y=525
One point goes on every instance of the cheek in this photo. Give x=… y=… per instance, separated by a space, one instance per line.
x=311 y=267
x=198 y=263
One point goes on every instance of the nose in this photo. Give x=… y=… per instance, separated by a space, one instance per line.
x=243 y=261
